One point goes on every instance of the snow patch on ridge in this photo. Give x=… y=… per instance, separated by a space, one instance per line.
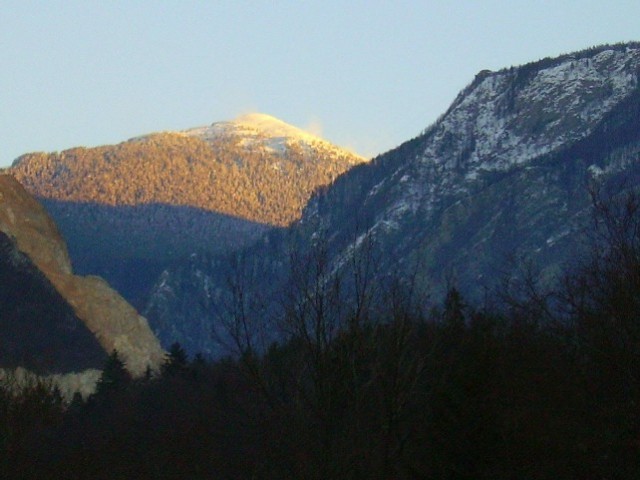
x=491 y=128
x=504 y=120
x=258 y=130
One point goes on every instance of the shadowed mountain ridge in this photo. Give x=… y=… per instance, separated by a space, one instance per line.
x=163 y=196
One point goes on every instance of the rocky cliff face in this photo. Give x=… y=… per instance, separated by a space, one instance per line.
x=35 y=233
x=39 y=330
x=113 y=322
x=502 y=177
x=503 y=174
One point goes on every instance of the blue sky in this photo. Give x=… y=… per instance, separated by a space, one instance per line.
x=366 y=75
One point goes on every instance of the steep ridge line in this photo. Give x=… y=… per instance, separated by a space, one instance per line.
x=115 y=323
x=501 y=177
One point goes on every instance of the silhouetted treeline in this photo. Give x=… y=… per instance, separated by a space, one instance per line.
x=546 y=385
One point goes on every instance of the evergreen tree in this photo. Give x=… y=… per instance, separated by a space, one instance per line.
x=114 y=376
x=454 y=311
x=176 y=360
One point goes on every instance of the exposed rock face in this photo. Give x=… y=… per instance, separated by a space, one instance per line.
x=24 y=219
x=38 y=328
x=502 y=175
x=115 y=323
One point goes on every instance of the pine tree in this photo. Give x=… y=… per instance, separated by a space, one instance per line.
x=176 y=361
x=114 y=376
x=454 y=316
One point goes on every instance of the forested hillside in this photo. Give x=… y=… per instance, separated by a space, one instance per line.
x=226 y=177
x=544 y=384
x=130 y=210
x=500 y=184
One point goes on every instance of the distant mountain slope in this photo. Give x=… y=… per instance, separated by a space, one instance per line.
x=502 y=176
x=256 y=168
x=536 y=134
x=32 y=244
x=160 y=197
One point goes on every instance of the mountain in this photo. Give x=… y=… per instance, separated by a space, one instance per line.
x=130 y=209
x=503 y=174
x=58 y=341
x=52 y=320
x=500 y=181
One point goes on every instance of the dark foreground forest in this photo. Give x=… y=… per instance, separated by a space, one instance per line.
x=534 y=384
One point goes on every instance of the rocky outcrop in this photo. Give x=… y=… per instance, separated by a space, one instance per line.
x=113 y=321
x=35 y=233
x=39 y=330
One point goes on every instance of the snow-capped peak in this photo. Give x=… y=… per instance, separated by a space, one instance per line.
x=259 y=130
x=506 y=119
x=272 y=127
x=253 y=125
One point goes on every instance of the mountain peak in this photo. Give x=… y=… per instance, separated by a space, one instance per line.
x=260 y=130
x=271 y=126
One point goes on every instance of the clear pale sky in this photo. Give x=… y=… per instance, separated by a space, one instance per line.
x=366 y=75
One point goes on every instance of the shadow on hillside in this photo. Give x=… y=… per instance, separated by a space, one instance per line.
x=129 y=246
